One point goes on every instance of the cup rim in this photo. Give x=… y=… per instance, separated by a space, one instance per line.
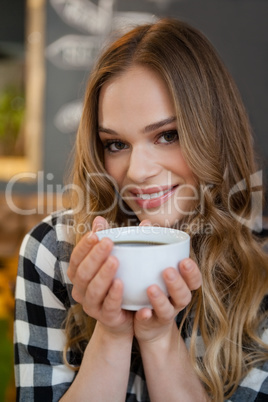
x=182 y=237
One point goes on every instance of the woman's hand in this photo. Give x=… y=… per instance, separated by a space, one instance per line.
x=150 y=325
x=92 y=271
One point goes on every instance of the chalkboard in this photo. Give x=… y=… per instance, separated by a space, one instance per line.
x=76 y=29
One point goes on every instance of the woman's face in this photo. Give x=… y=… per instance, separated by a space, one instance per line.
x=138 y=129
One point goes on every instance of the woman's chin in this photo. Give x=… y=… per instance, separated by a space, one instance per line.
x=159 y=220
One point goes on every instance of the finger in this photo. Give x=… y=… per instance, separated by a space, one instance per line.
x=190 y=273
x=144 y=314
x=161 y=305
x=99 y=223
x=90 y=265
x=178 y=289
x=80 y=251
x=99 y=286
x=145 y=222
x=112 y=302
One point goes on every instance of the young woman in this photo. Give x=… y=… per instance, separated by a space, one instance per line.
x=164 y=140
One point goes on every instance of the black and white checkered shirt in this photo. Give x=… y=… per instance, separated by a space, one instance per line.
x=43 y=296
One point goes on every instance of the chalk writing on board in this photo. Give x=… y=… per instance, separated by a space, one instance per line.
x=79 y=52
x=74 y=52
x=85 y=15
x=165 y=3
x=68 y=117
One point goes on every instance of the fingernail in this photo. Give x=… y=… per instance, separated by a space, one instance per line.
x=112 y=261
x=171 y=275
x=188 y=265
x=147 y=316
x=154 y=292
x=116 y=284
x=145 y=222
x=104 y=244
x=91 y=236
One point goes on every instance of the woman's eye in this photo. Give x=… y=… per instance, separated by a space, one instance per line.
x=115 y=146
x=168 y=137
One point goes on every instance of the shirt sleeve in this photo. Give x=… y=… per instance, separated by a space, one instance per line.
x=41 y=304
x=254 y=387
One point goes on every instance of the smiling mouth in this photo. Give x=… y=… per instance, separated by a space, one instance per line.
x=152 y=199
x=147 y=196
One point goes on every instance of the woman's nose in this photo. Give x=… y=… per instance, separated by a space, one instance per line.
x=142 y=165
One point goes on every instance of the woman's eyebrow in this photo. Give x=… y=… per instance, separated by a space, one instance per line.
x=107 y=130
x=159 y=124
x=149 y=128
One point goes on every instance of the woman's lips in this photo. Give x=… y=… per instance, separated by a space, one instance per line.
x=152 y=198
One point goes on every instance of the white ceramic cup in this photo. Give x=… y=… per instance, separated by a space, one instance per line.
x=141 y=264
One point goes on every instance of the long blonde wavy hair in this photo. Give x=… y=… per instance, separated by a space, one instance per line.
x=216 y=140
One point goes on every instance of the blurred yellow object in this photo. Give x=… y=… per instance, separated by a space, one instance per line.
x=6 y=296
x=8 y=270
x=7 y=388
